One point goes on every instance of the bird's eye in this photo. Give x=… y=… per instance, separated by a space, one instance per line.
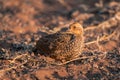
x=74 y=27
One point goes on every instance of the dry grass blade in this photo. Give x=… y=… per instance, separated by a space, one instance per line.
x=107 y=24
x=101 y=39
x=13 y=61
x=80 y=58
x=7 y=69
x=17 y=57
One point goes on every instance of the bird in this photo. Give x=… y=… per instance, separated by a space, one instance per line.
x=63 y=46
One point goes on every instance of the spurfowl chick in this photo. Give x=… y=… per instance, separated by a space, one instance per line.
x=62 y=46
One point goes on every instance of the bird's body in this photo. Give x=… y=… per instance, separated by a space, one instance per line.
x=62 y=46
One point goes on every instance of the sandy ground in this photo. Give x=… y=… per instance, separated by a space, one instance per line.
x=23 y=22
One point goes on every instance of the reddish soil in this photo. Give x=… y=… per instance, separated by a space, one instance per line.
x=23 y=22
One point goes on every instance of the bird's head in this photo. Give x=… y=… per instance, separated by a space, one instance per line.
x=76 y=28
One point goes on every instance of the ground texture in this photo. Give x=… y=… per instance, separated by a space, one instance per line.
x=23 y=22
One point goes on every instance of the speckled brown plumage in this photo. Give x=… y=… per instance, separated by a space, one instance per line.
x=63 y=46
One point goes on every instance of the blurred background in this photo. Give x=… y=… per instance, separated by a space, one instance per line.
x=20 y=16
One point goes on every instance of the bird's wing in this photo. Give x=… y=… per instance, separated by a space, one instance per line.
x=53 y=42
x=60 y=41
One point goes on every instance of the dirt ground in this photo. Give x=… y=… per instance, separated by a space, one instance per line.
x=23 y=22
